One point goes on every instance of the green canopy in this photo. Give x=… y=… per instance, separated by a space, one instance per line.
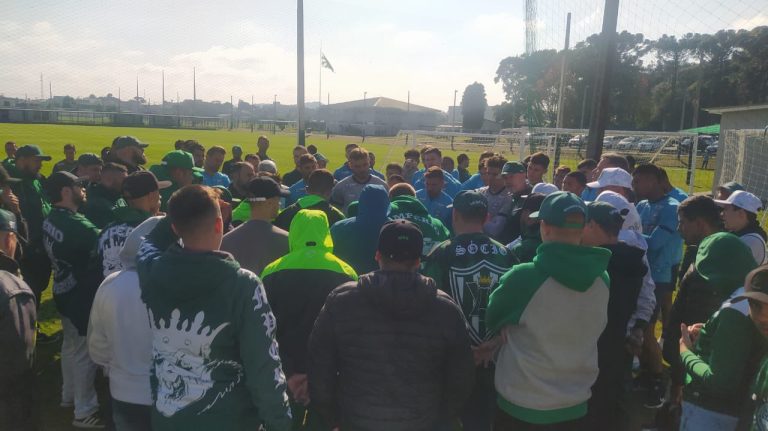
x=706 y=130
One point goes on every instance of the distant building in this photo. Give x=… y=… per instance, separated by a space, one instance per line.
x=378 y=116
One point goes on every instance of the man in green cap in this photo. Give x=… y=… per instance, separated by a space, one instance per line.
x=549 y=315
x=105 y=196
x=405 y=205
x=34 y=206
x=17 y=341
x=177 y=166
x=468 y=267
x=70 y=241
x=516 y=183
x=129 y=152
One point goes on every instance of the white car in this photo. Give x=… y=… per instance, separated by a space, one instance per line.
x=628 y=143
x=649 y=144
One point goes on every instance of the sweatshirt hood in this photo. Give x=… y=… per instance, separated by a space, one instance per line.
x=407 y=204
x=309 y=200
x=134 y=240
x=400 y=294
x=626 y=260
x=309 y=228
x=724 y=261
x=374 y=202
x=574 y=266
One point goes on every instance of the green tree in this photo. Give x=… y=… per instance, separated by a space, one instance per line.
x=473 y=105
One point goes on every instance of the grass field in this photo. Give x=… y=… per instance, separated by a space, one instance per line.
x=51 y=139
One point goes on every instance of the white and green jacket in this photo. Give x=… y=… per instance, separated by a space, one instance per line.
x=552 y=310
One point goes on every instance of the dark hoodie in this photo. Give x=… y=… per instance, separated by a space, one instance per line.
x=298 y=283
x=215 y=358
x=355 y=239
x=308 y=202
x=389 y=353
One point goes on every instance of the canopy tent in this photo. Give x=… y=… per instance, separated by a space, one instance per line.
x=714 y=129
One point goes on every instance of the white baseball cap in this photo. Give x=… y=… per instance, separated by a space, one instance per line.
x=632 y=220
x=612 y=177
x=545 y=189
x=744 y=200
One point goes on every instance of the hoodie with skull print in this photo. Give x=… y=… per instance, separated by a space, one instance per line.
x=216 y=363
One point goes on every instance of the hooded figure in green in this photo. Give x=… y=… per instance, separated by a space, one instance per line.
x=411 y=209
x=297 y=285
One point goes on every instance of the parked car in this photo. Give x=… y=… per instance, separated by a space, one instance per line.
x=649 y=144
x=704 y=142
x=712 y=149
x=578 y=141
x=609 y=142
x=628 y=143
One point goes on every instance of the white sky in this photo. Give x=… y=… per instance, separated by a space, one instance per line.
x=247 y=47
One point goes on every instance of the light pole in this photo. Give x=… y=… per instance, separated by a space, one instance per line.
x=274 y=116
x=453 y=119
x=300 y=69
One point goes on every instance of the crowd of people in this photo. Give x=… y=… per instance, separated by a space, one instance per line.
x=219 y=293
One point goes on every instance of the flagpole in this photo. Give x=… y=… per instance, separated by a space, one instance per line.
x=320 y=92
x=300 y=70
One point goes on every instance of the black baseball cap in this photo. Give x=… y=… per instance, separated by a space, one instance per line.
x=400 y=241
x=61 y=179
x=471 y=202
x=127 y=141
x=142 y=183
x=31 y=151
x=263 y=188
x=89 y=159
x=533 y=202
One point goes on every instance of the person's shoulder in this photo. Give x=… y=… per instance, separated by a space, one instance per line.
x=343 y=295
x=279 y=232
x=376 y=180
x=12 y=285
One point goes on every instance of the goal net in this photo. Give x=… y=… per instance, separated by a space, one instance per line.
x=745 y=160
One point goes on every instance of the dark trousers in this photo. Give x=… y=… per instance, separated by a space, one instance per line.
x=479 y=409
x=604 y=412
x=131 y=417
x=18 y=403
x=505 y=422
x=36 y=270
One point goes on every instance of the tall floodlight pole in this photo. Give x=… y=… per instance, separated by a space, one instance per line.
x=162 y=107
x=453 y=116
x=561 y=96
x=602 y=85
x=300 y=69
x=119 y=99
x=194 y=85
x=42 y=94
x=274 y=115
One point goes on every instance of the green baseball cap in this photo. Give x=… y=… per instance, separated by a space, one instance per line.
x=513 y=168
x=31 y=151
x=179 y=159
x=557 y=206
x=8 y=222
x=605 y=214
x=469 y=202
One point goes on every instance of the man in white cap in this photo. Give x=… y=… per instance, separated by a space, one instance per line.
x=545 y=189
x=613 y=179
x=740 y=218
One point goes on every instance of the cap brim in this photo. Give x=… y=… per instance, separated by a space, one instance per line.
x=722 y=203
x=757 y=296
x=163 y=185
x=595 y=185
x=285 y=193
x=143 y=145
x=45 y=158
x=534 y=215
x=82 y=180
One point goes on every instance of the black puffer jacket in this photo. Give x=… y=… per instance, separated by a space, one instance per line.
x=389 y=352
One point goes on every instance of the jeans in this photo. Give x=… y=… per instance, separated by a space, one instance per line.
x=696 y=418
x=131 y=417
x=78 y=372
x=478 y=411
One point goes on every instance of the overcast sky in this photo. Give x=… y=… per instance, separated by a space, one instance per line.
x=245 y=48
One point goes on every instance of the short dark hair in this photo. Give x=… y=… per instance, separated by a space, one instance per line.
x=69 y=147
x=587 y=164
x=192 y=208
x=434 y=172
x=616 y=160
x=359 y=154
x=432 y=150
x=235 y=169
x=396 y=178
x=312 y=149
x=563 y=168
x=578 y=176
x=179 y=144
x=649 y=169
x=461 y=157
x=113 y=167
x=496 y=161
x=540 y=159
x=394 y=166
x=307 y=158
x=412 y=154
x=216 y=149
x=192 y=145
x=352 y=145
x=300 y=147
x=252 y=156
x=701 y=207
x=320 y=181
x=401 y=189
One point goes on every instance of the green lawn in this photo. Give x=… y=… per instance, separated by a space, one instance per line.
x=51 y=139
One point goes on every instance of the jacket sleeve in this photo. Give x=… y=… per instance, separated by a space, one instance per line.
x=433 y=267
x=646 y=301
x=17 y=334
x=322 y=364
x=153 y=247
x=459 y=367
x=508 y=302
x=98 y=341
x=258 y=349
x=665 y=231
x=723 y=371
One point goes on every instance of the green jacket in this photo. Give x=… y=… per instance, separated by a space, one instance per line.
x=411 y=209
x=724 y=361
x=70 y=241
x=530 y=240
x=468 y=268
x=298 y=283
x=113 y=237
x=552 y=310
x=216 y=364
x=100 y=205
x=34 y=205
x=760 y=398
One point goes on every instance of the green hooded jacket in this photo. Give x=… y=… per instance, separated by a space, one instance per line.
x=113 y=236
x=100 y=206
x=34 y=205
x=411 y=209
x=530 y=240
x=215 y=359
x=552 y=311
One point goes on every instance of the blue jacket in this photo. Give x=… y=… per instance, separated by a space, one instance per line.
x=665 y=245
x=378 y=174
x=343 y=172
x=589 y=194
x=437 y=208
x=474 y=182
x=298 y=190
x=217 y=179
x=678 y=194
x=452 y=185
x=355 y=239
